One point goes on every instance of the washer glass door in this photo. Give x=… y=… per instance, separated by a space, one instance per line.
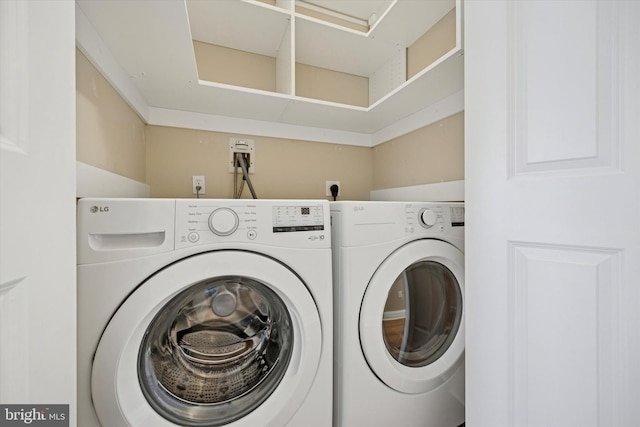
x=412 y=319
x=216 y=351
x=228 y=338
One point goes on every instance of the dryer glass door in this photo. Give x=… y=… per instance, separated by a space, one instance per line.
x=412 y=318
x=430 y=311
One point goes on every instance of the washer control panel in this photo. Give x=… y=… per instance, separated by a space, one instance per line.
x=287 y=219
x=293 y=223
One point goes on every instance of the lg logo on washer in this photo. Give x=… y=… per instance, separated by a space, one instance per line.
x=98 y=209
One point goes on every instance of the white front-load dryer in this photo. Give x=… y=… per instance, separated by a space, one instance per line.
x=204 y=312
x=398 y=314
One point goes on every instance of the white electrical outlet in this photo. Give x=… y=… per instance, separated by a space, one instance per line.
x=328 y=187
x=198 y=181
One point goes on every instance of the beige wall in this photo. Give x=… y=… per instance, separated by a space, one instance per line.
x=112 y=137
x=432 y=154
x=235 y=67
x=109 y=134
x=298 y=169
x=284 y=168
x=329 y=85
x=440 y=39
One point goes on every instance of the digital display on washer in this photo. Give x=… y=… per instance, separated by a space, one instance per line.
x=297 y=218
x=457 y=217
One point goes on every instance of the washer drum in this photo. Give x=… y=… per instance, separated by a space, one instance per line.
x=215 y=352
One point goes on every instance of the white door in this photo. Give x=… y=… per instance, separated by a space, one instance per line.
x=552 y=134
x=37 y=203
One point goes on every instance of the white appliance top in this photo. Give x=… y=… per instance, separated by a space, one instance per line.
x=364 y=223
x=114 y=229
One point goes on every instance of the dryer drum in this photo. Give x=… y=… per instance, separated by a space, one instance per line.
x=431 y=314
x=216 y=351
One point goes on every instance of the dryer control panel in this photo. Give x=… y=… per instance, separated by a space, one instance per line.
x=368 y=223
x=435 y=217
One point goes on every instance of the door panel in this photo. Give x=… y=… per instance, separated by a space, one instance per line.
x=552 y=177
x=37 y=203
x=564 y=314
x=577 y=72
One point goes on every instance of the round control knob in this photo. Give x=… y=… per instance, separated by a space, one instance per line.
x=223 y=221
x=427 y=217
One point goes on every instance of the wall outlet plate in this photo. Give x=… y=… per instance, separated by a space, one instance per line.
x=198 y=180
x=328 y=187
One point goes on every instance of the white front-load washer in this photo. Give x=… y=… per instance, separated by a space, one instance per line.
x=398 y=314
x=204 y=312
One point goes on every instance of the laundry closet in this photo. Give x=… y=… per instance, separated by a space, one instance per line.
x=366 y=96
x=550 y=99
